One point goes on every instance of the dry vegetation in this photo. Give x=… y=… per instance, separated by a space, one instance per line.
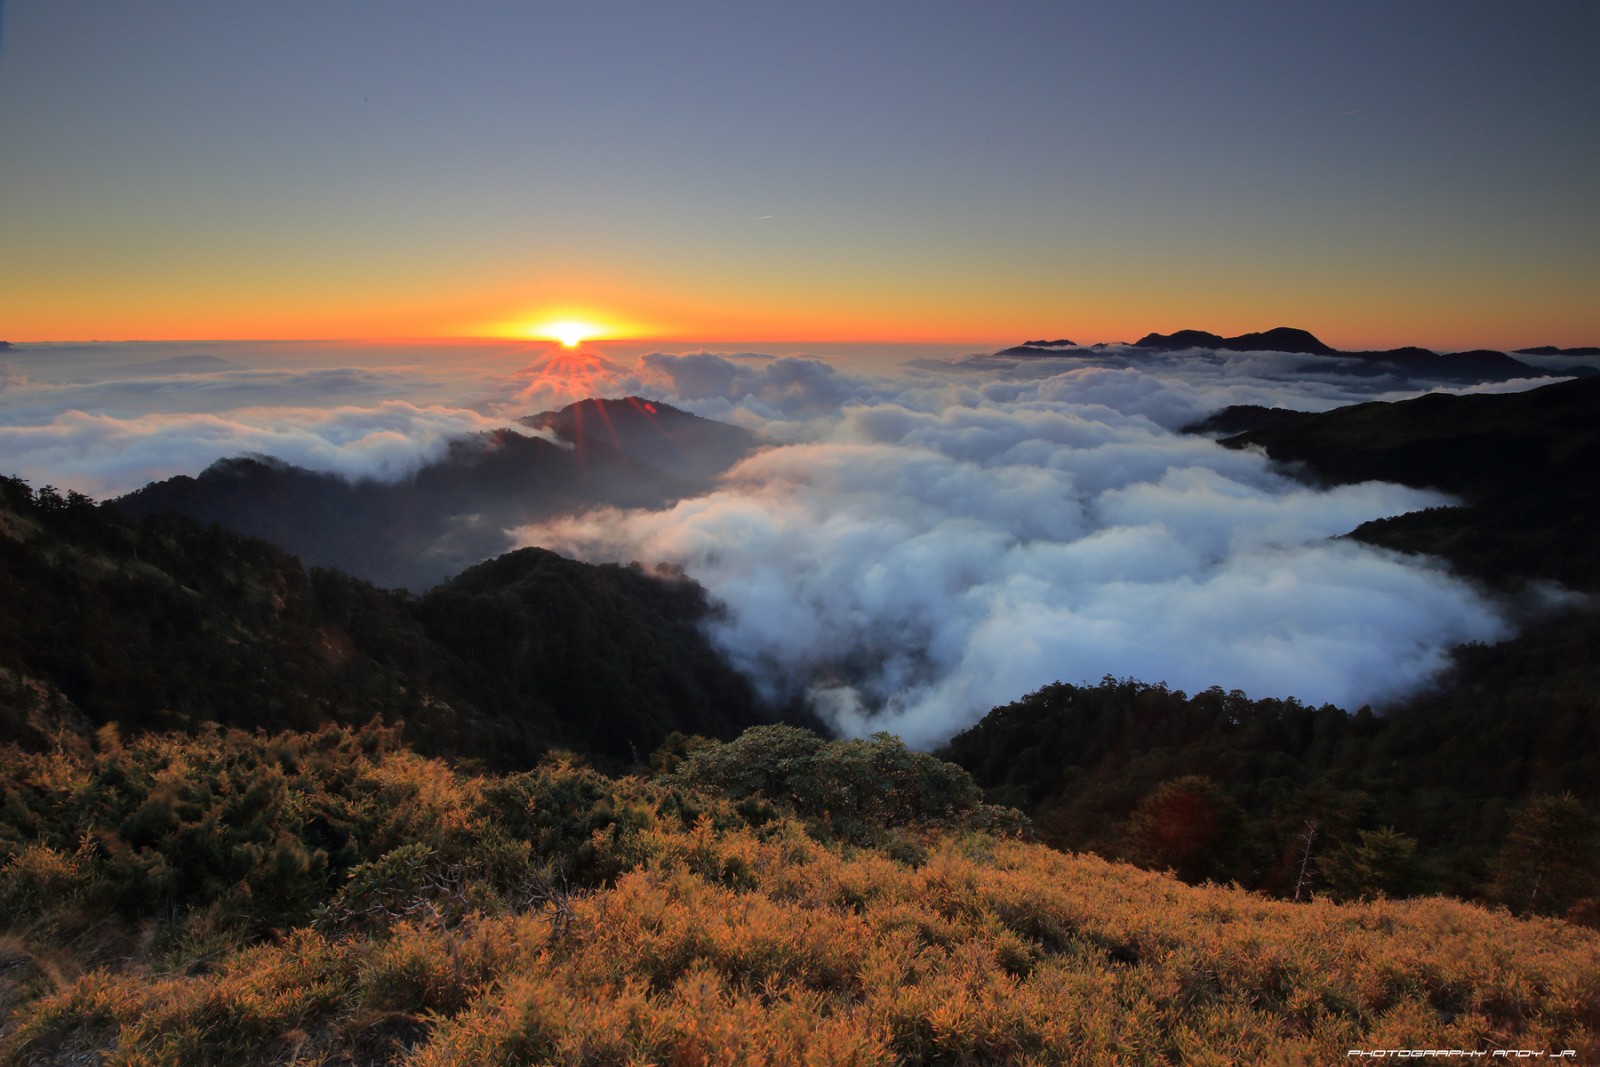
x=333 y=898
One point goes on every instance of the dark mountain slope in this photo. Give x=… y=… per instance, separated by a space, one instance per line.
x=1241 y=418
x=614 y=652
x=684 y=445
x=162 y=624
x=1523 y=463
x=1471 y=444
x=456 y=511
x=413 y=533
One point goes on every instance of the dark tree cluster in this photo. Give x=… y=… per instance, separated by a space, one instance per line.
x=165 y=624
x=1290 y=799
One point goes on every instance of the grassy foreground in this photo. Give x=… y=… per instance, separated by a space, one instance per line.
x=333 y=898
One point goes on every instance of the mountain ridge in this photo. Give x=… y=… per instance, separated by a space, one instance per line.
x=1523 y=462
x=681 y=444
x=455 y=511
x=1475 y=365
x=1277 y=339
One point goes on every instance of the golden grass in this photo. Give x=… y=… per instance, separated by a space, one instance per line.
x=742 y=947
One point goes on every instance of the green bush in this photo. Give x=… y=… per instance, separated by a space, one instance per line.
x=857 y=789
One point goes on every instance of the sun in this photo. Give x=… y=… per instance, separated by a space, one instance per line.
x=569 y=327
x=569 y=332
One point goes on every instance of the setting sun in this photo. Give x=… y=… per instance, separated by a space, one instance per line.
x=569 y=332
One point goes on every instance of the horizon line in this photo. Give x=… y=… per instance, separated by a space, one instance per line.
x=424 y=339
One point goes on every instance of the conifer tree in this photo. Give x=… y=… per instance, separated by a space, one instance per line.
x=1551 y=858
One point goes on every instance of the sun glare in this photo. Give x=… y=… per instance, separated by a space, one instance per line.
x=569 y=332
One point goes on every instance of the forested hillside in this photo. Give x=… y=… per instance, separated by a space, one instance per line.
x=1523 y=463
x=1477 y=796
x=163 y=624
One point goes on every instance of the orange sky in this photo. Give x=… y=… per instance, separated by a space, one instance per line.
x=1399 y=174
x=1451 y=319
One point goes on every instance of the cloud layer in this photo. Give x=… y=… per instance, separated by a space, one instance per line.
x=103 y=455
x=918 y=545
x=926 y=548
x=99 y=420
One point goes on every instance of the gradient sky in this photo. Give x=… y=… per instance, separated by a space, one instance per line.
x=1378 y=173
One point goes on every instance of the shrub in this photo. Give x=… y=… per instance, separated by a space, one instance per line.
x=856 y=789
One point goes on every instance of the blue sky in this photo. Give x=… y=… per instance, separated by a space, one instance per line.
x=1378 y=173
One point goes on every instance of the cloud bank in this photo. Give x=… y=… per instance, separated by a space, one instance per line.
x=96 y=420
x=106 y=419
x=918 y=545
x=104 y=455
x=922 y=549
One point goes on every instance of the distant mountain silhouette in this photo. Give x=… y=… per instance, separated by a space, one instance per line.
x=1279 y=339
x=684 y=445
x=1041 y=348
x=1552 y=350
x=456 y=511
x=1033 y=349
x=1479 y=365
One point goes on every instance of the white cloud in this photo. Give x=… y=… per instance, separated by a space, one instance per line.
x=947 y=542
x=919 y=545
x=103 y=455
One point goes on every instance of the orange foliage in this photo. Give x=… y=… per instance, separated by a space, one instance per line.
x=721 y=943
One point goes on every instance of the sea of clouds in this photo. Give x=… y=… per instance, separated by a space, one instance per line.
x=918 y=544
x=106 y=419
x=923 y=547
